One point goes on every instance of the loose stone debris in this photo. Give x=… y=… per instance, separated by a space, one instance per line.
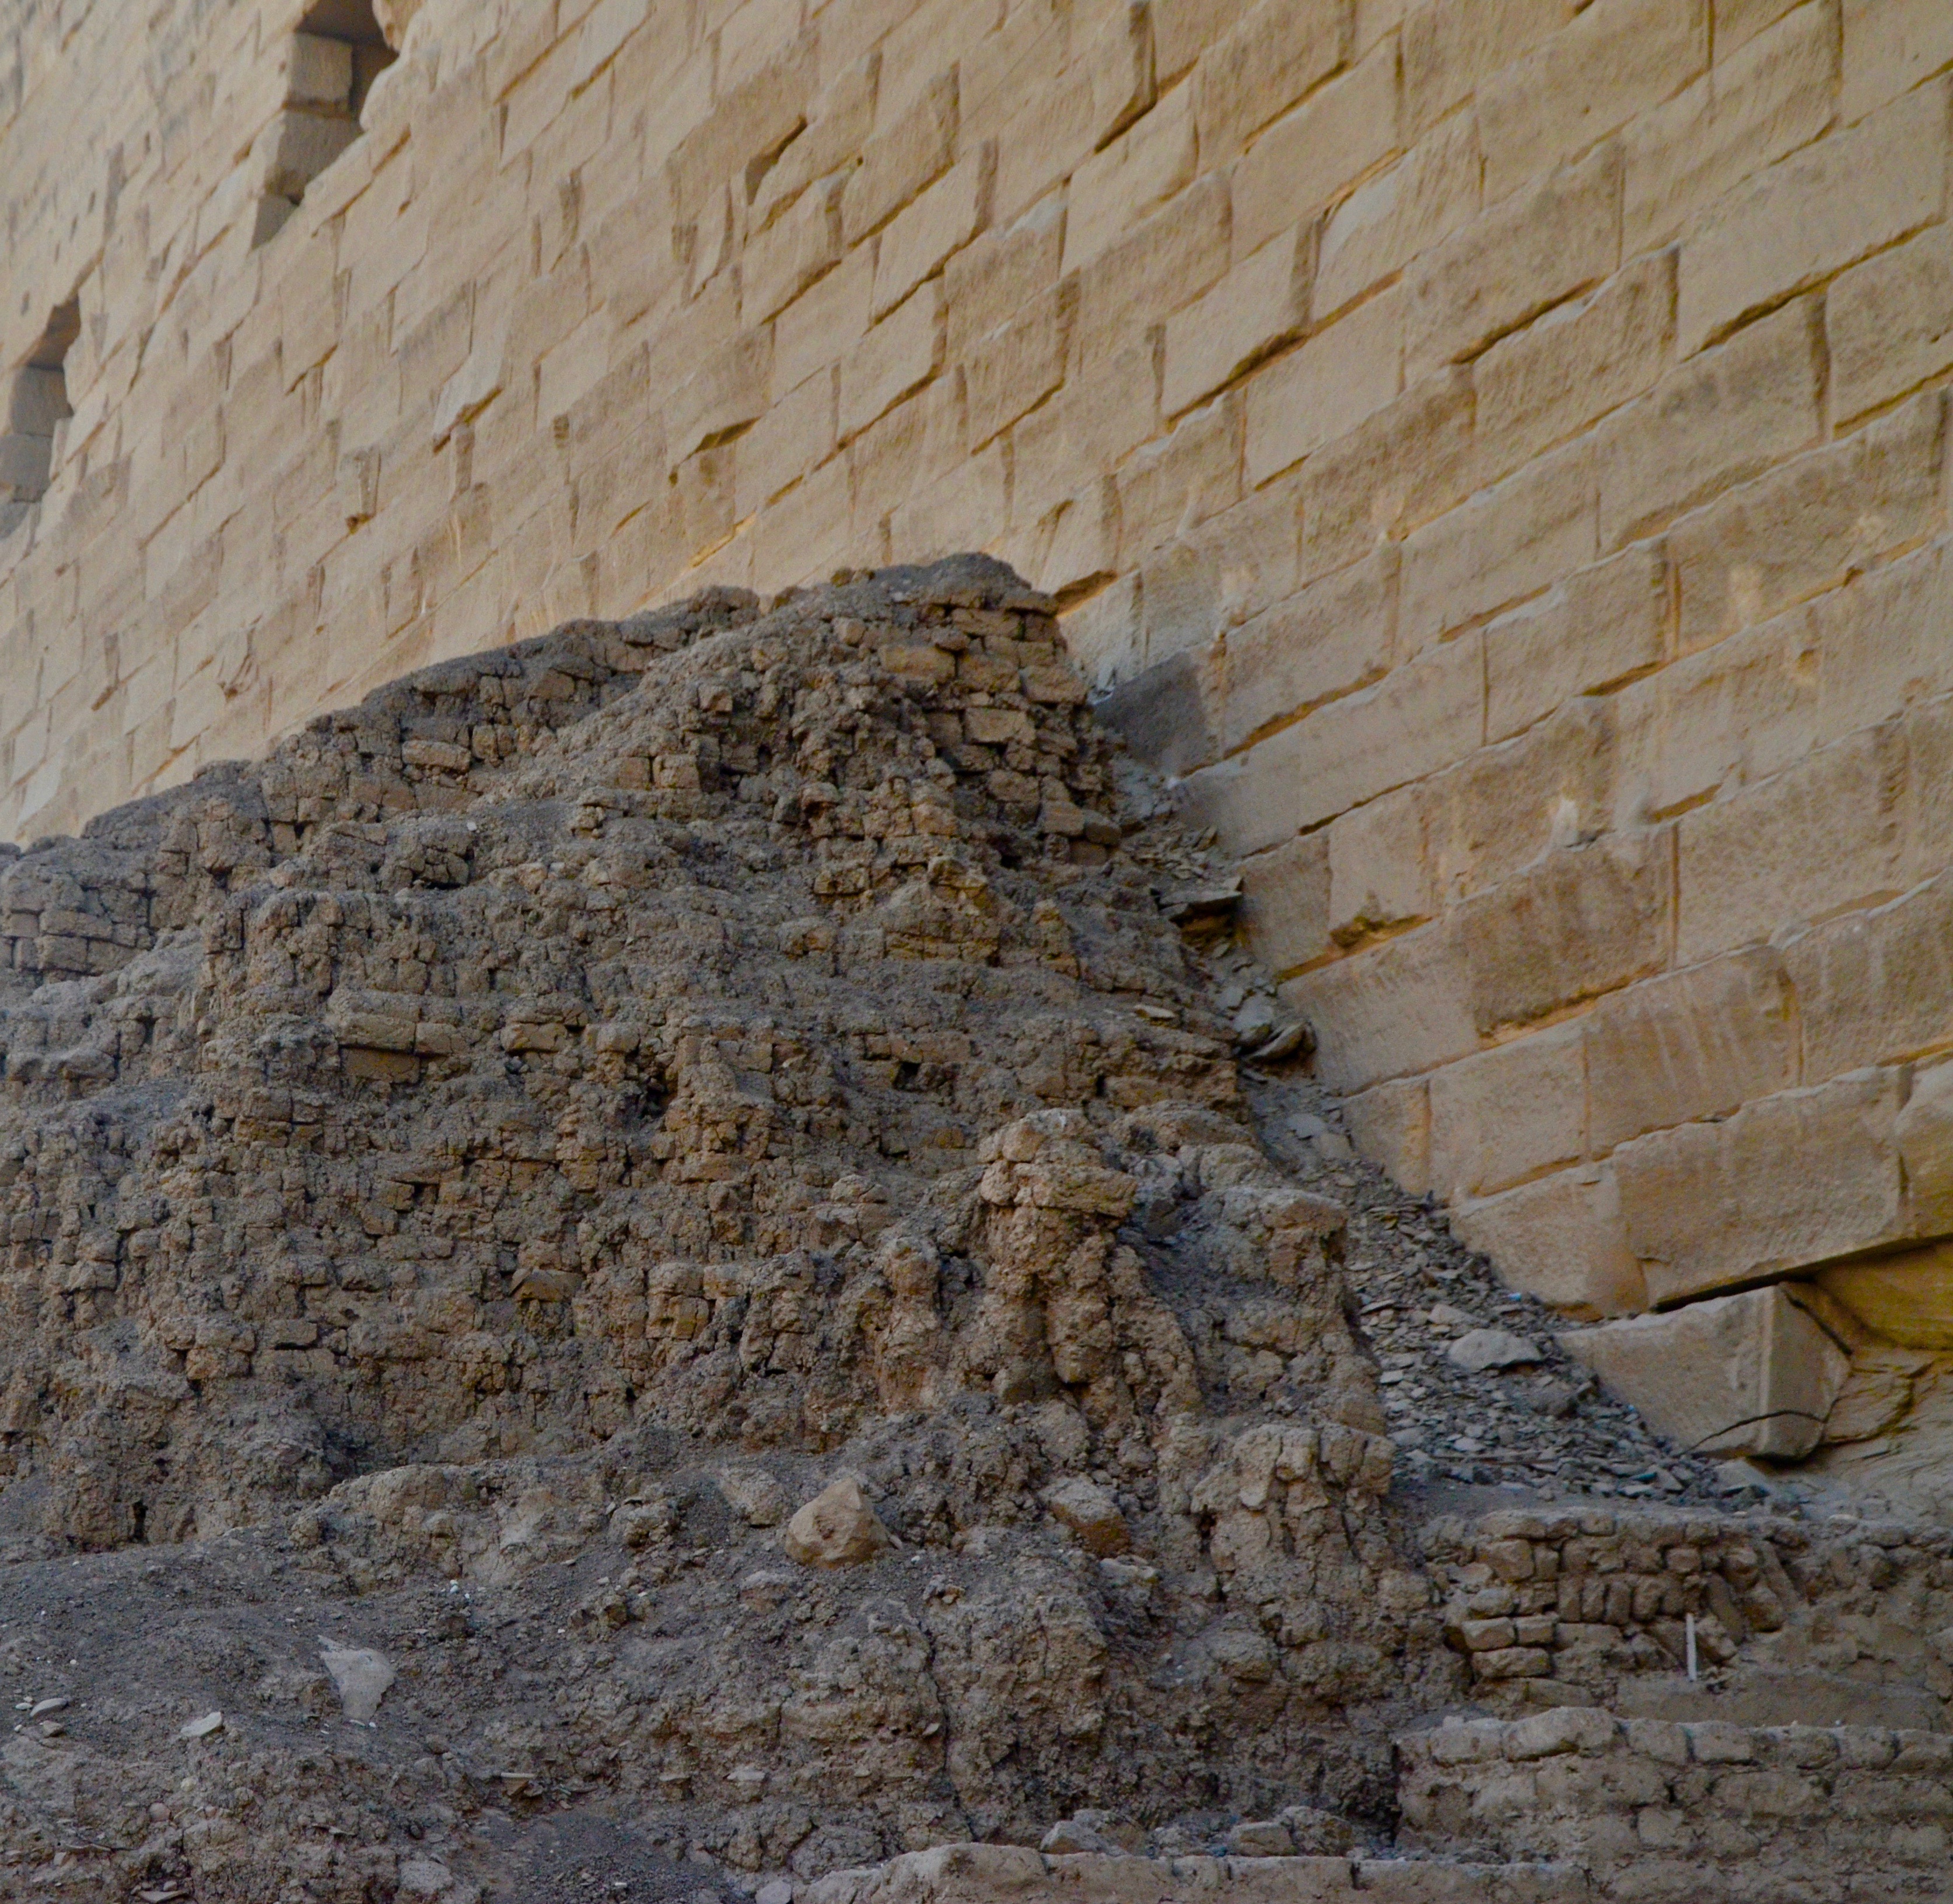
x=678 y=1191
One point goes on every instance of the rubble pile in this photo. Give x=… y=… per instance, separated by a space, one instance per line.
x=648 y=1266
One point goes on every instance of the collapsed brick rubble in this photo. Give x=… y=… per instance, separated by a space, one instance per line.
x=657 y=1234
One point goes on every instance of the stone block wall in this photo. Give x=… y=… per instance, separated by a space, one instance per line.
x=1493 y=450
x=1656 y=1810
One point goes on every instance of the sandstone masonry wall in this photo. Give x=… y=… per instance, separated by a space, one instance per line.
x=1494 y=450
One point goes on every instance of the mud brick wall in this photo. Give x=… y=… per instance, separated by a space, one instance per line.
x=1575 y=1602
x=1652 y=1808
x=1493 y=450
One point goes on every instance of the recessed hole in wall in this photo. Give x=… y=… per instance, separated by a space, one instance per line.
x=331 y=64
x=35 y=394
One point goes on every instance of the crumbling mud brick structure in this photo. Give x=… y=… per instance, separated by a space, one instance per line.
x=1449 y=506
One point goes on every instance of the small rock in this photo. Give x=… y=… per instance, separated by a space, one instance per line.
x=766 y=1590
x=1448 y=1316
x=41 y=1707
x=1091 y=1513
x=755 y=1496
x=423 y=1878
x=1492 y=1348
x=780 y=1891
x=362 y=1677
x=1317 y=1834
x=1069 y=1837
x=837 y=1527
x=1260 y=1838
x=202 y=1728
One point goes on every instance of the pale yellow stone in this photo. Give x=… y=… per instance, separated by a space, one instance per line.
x=1325 y=387
x=1138 y=172
x=1889 y=323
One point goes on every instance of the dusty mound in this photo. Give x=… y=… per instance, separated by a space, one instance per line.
x=681 y=1175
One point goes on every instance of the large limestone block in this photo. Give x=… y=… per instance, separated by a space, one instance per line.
x=1749 y=1374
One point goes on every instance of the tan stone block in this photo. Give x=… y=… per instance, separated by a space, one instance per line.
x=1713 y=422
x=819 y=327
x=1325 y=387
x=1812 y=215
x=1170 y=486
x=1074 y=545
x=1390 y=1125
x=1928 y=732
x=1891 y=46
x=964 y=508
x=1560 y=1239
x=1256 y=306
x=840 y=121
x=1752 y=1374
x=928 y=38
x=1302 y=162
x=1388 y=1010
x=1777 y=92
x=1881 y=640
x=753 y=35
x=1737 y=21
x=1324 y=641
x=1515 y=259
x=726 y=392
x=1789 y=1181
x=943 y=220
x=1551 y=380
x=1889 y=323
x=1120 y=59
x=1183 y=30
x=1616 y=59
x=916 y=443
x=1598 y=627
x=1501 y=808
x=1508 y=1114
x=795 y=435
x=1696 y=1043
x=743 y=123
x=1876 y=987
x=1285 y=902
x=902 y=352
x=1274 y=53
x=1088 y=428
x=1809 y=524
x=1379 y=871
x=916 y=149
x=1506 y=542
x=1923 y=1130
x=1163 y=264
x=1002 y=272
x=1016 y=367
x=1102 y=635
x=1401 y=467
x=799 y=246
x=1048 y=136
x=1452 y=47
x=1418 y=718
x=1822 y=835
x=1399 y=215
x=1112 y=191
x=318 y=72
x=1581 y=921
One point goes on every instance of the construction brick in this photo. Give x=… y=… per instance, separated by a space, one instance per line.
x=1712 y=422
x=1452 y=47
x=1746 y=868
x=1285 y=902
x=1890 y=47
x=1259 y=304
x=1762 y=100
x=1618 y=58
x=1327 y=640
x=1323 y=388
x=1015 y=367
x=1517 y=259
x=1508 y=1114
x=1566 y=370
x=1380 y=876
x=1561 y=1239
x=1598 y=627
x=1399 y=215
x=1812 y=215
x=1312 y=155
x=916 y=149
x=1809 y=524
x=922 y=235
x=1788 y=1181
x=1889 y=323
x=1274 y=53
x=1875 y=987
x=1112 y=191
x=1700 y=1042
x=1508 y=542
x=902 y=352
